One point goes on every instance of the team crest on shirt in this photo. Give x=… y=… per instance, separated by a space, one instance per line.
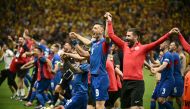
x=137 y=48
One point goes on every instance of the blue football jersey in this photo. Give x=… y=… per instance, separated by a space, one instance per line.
x=167 y=73
x=45 y=49
x=98 y=56
x=177 y=65
x=55 y=60
x=79 y=83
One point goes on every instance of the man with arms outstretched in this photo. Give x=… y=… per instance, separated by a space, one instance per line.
x=134 y=55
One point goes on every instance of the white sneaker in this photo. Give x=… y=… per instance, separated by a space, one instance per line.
x=48 y=102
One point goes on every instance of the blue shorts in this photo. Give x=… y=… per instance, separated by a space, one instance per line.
x=155 y=92
x=100 y=85
x=56 y=80
x=42 y=85
x=77 y=102
x=178 y=88
x=165 y=88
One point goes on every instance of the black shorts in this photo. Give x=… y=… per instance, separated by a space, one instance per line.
x=113 y=96
x=22 y=73
x=11 y=78
x=6 y=73
x=132 y=93
x=3 y=76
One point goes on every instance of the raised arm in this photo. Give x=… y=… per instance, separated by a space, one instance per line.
x=106 y=34
x=75 y=56
x=13 y=43
x=79 y=37
x=79 y=49
x=111 y=34
x=152 y=45
x=183 y=64
x=26 y=34
x=184 y=43
x=69 y=65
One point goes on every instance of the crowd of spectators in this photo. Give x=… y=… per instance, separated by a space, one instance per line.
x=53 y=19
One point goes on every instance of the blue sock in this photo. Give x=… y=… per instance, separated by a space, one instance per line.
x=45 y=96
x=153 y=105
x=40 y=98
x=160 y=106
x=171 y=103
x=26 y=82
x=29 y=78
x=50 y=96
x=167 y=105
x=64 y=101
x=33 y=95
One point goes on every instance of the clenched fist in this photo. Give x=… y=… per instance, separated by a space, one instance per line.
x=72 y=35
x=108 y=16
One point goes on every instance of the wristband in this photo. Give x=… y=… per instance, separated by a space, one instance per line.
x=74 y=42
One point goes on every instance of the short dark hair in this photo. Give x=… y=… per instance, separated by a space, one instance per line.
x=135 y=31
x=99 y=23
x=176 y=43
x=167 y=42
x=69 y=42
x=39 y=48
x=56 y=46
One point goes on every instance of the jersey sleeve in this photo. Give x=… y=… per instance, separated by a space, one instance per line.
x=152 y=45
x=184 y=43
x=113 y=37
x=167 y=58
x=85 y=67
x=105 y=47
x=57 y=59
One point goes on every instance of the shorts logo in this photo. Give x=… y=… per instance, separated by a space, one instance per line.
x=60 y=81
x=97 y=92
x=175 y=89
x=164 y=91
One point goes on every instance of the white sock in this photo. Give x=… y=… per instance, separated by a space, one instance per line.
x=18 y=92
x=28 y=89
x=22 y=92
